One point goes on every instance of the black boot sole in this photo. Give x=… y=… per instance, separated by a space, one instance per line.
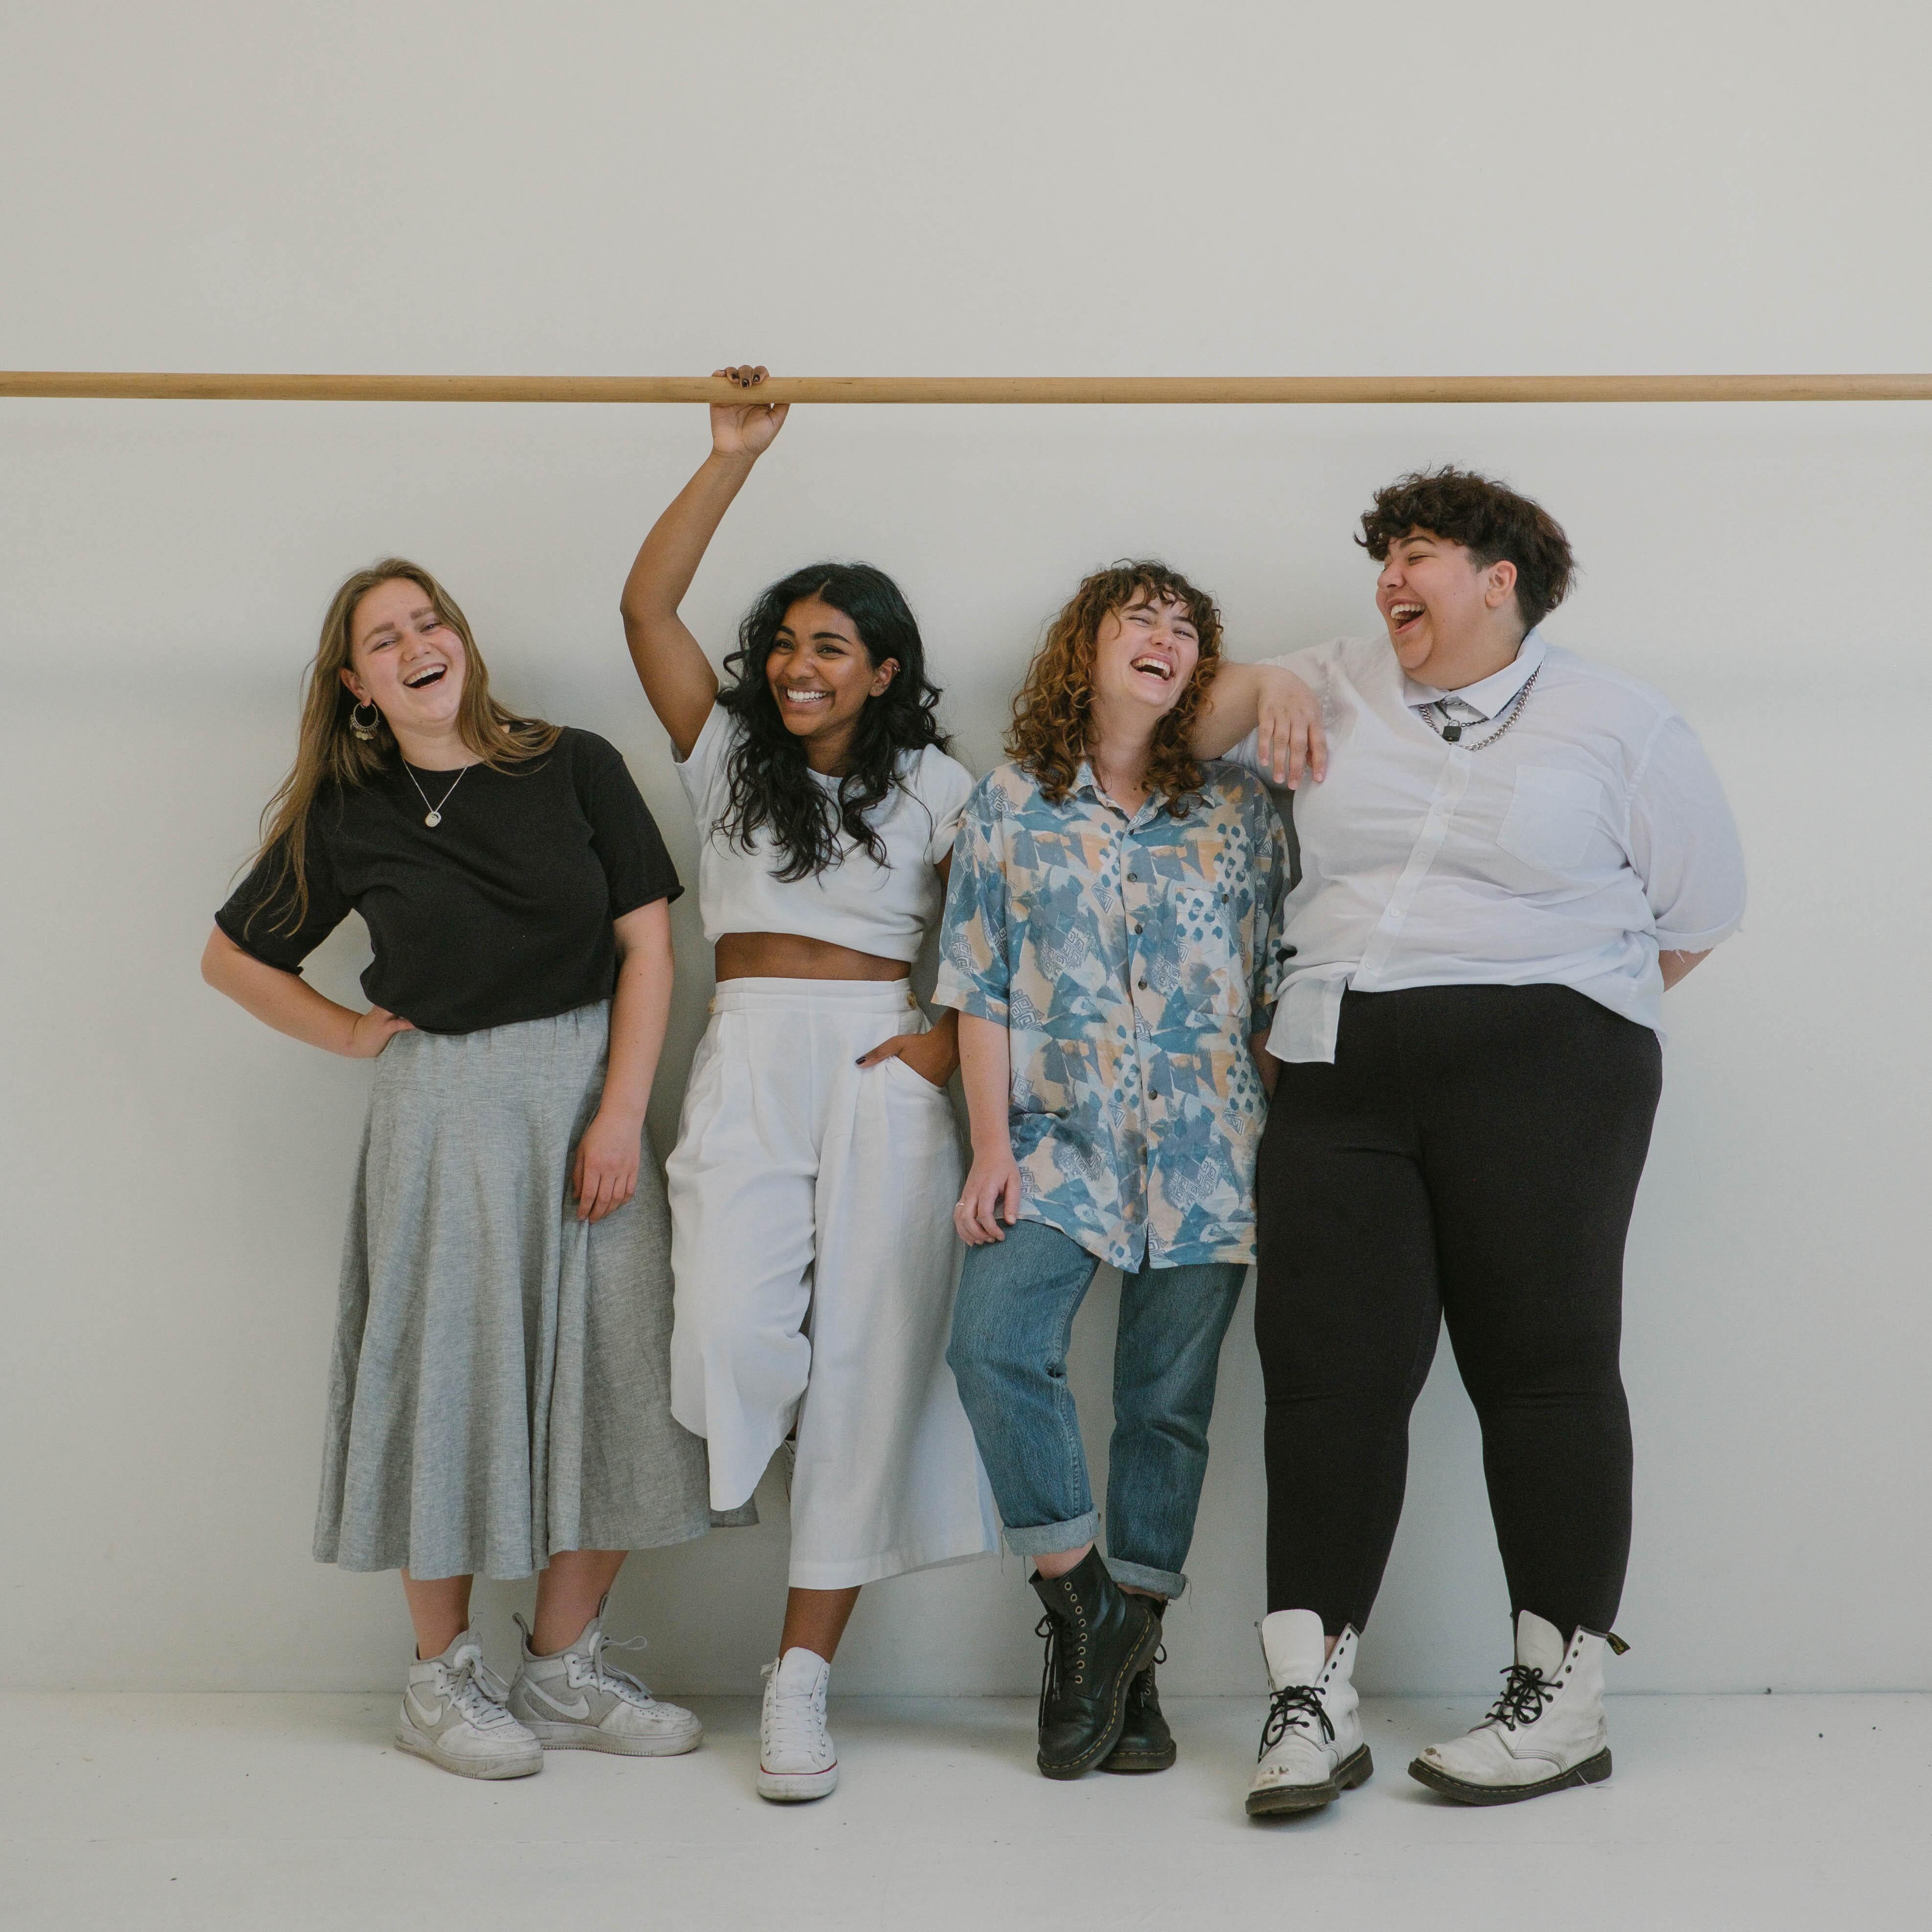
x=1080 y=1766
x=1133 y=1762
x=1357 y=1768
x=1591 y=1771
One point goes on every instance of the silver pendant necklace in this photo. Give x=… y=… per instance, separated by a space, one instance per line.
x=435 y=811
x=1450 y=732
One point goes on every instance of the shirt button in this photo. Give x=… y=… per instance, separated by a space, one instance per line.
x=1140 y=928
x=1144 y=986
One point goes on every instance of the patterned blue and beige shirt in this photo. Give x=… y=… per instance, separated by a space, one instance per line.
x=1128 y=958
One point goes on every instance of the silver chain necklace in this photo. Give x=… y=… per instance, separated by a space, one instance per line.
x=435 y=811
x=1451 y=733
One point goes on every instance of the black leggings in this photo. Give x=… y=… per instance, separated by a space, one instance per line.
x=1473 y=1153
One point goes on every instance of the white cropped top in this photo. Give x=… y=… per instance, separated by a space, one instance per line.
x=886 y=910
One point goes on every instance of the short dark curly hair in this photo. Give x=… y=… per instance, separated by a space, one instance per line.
x=1488 y=519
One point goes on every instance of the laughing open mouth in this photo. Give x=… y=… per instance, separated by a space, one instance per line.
x=1401 y=615
x=428 y=675
x=1156 y=666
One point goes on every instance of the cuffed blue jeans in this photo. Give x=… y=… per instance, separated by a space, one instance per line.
x=1011 y=1325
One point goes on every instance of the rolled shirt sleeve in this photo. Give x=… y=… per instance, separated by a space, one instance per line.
x=975 y=972
x=1684 y=843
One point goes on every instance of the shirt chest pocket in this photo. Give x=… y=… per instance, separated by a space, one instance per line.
x=1197 y=952
x=1553 y=815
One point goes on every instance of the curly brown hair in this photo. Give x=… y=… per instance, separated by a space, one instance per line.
x=1489 y=520
x=1048 y=738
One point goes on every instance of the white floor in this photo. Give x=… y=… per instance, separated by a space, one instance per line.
x=212 y=1812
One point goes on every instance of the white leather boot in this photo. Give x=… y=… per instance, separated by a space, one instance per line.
x=1312 y=1749
x=1547 y=1731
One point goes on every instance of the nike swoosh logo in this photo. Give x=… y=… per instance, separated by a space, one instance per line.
x=424 y=1714
x=581 y=1709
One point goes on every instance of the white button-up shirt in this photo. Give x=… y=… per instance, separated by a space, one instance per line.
x=1590 y=836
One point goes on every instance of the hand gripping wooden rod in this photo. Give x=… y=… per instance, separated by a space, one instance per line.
x=968 y=388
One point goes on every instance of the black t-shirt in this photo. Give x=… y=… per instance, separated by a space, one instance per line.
x=502 y=913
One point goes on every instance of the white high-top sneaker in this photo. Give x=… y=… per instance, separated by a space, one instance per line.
x=1547 y=1731
x=453 y=1715
x=796 y=1759
x=1312 y=1749
x=575 y=1701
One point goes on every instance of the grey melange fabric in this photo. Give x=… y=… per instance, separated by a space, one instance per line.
x=501 y=1387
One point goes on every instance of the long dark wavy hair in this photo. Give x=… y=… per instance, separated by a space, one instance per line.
x=772 y=788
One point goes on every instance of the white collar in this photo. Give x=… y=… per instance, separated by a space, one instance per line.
x=1494 y=692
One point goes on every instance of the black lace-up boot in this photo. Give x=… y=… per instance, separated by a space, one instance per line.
x=1146 y=1743
x=1099 y=1639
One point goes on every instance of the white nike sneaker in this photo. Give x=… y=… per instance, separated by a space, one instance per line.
x=575 y=1701
x=1312 y=1750
x=1547 y=1731
x=453 y=1715
x=796 y=1759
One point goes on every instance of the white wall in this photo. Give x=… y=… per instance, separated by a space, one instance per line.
x=1006 y=187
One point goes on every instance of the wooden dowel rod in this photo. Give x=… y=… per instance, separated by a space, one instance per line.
x=970 y=388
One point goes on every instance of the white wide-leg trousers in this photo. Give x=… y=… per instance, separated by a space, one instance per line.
x=815 y=1262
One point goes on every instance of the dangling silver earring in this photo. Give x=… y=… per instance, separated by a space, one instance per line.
x=365 y=732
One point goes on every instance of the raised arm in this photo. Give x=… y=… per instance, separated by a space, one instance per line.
x=671 y=665
x=1289 y=715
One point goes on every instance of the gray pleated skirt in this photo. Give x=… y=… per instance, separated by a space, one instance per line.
x=501 y=1387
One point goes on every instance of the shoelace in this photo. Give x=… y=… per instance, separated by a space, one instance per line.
x=475 y=1689
x=1048 y=1627
x=1289 y=1709
x=594 y=1671
x=1525 y=1691
x=792 y=1721
x=1143 y=1691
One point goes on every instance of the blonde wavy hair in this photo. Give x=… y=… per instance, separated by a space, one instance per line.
x=1048 y=738
x=328 y=753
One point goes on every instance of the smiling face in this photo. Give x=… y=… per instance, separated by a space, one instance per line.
x=1144 y=652
x=405 y=660
x=1448 y=614
x=821 y=676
